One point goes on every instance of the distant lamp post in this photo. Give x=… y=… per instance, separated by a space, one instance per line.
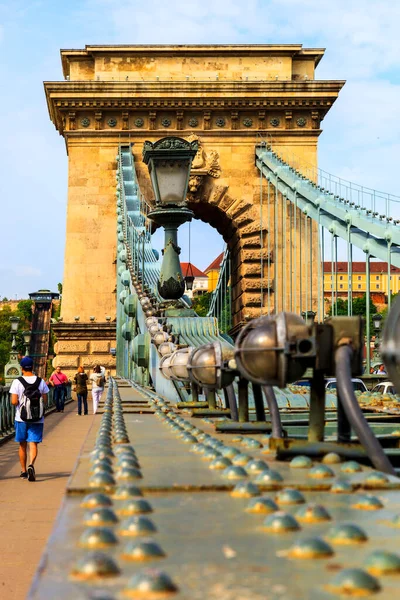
x=309 y=316
x=377 y=323
x=189 y=277
x=169 y=161
x=12 y=369
x=27 y=335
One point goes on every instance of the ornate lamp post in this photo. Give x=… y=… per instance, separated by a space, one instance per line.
x=309 y=316
x=377 y=321
x=12 y=369
x=27 y=340
x=169 y=161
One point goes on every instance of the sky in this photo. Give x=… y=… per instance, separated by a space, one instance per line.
x=360 y=141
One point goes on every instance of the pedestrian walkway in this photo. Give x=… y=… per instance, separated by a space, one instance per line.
x=28 y=510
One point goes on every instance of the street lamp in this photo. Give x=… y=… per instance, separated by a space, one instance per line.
x=189 y=277
x=12 y=369
x=309 y=316
x=169 y=161
x=27 y=340
x=377 y=323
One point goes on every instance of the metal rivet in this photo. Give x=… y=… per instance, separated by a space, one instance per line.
x=268 y=478
x=262 y=505
x=98 y=537
x=149 y=583
x=301 y=462
x=210 y=454
x=230 y=452
x=236 y=439
x=341 y=486
x=346 y=533
x=376 y=480
x=251 y=443
x=382 y=562
x=256 y=466
x=100 y=516
x=135 y=526
x=241 y=459
x=310 y=548
x=198 y=448
x=220 y=463
x=96 y=500
x=312 y=513
x=142 y=550
x=135 y=507
x=245 y=490
x=366 y=503
x=289 y=496
x=129 y=491
x=234 y=473
x=354 y=582
x=128 y=462
x=280 y=522
x=99 y=466
x=128 y=474
x=189 y=439
x=321 y=472
x=331 y=458
x=95 y=565
x=102 y=479
x=351 y=466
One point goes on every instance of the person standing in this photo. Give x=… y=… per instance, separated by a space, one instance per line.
x=59 y=381
x=80 y=380
x=98 y=381
x=28 y=432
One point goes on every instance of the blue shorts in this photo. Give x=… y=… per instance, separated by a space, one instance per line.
x=28 y=432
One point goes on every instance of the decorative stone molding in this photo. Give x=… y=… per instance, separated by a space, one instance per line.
x=85 y=122
x=288 y=119
x=204 y=164
x=234 y=119
x=112 y=122
x=152 y=120
x=207 y=120
x=193 y=122
x=139 y=122
x=275 y=122
x=247 y=122
x=72 y=120
x=166 y=122
x=179 y=119
x=261 y=119
x=301 y=122
x=98 y=119
x=125 y=120
x=220 y=122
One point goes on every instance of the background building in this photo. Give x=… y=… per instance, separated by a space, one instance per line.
x=200 y=283
x=212 y=272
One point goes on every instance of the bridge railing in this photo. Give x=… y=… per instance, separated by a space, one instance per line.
x=7 y=410
x=220 y=305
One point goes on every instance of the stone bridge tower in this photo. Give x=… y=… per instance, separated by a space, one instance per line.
x=223 y=94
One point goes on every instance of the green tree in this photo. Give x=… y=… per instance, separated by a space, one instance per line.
x=359 y=308
x=201 y=304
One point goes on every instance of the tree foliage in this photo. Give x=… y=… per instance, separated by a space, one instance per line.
x=201 y=304
x=24 y=312
x=359 y=307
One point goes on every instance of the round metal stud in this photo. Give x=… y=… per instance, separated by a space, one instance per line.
x=341 y=486
x=256 y=466
x=346 y=533
x=234 y=473
x=101 y=479
x=96 y=500
x=100 y=516
x=263 y=505
x=268 y=478
x=245 y=489
x=321 y=472
x=251 y=443
x=376 y=480
x=351 y=466
x=99 y=466
x=396 y=521
x=241 y=460
x=128 y=474
x=135 y=506
x=142 y=550
x=123 y=492
x=382 y=562
x=366 y=502
x=280 y=522
x=137 y=526
x=236 y=439
x=331 y=458
x=312 y=513
x=310 y=548
x=210 y=454
x=95 y=565
x=189 y=439
x=98 y=537
x=301 y=462
x=149 y=583
x=220 y=463
x=289 y=496
x=354 y=582
x=230 y=452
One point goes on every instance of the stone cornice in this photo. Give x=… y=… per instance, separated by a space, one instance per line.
x=80 y=331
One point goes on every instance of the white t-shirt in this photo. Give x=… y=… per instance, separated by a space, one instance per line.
x=18 y=388
x=93 y=378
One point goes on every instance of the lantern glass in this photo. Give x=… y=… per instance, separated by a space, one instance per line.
x=27 y=337
x=170 y=180
x=189 y=282
x=377 y=321
x=14 y=321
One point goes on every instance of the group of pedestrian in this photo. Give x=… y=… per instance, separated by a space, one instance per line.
x=29 y=394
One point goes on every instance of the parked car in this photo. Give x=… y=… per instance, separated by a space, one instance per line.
x=358 y=385
x=385 y=387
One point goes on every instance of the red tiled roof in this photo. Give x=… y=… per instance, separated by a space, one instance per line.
x=194 y=270
x=216 y=264
x=360 y=267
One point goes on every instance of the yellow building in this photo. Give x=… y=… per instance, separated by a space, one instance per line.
x=212 y=272
x=338 y=280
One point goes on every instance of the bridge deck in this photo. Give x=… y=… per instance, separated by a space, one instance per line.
x=213 y=547
x=28 y=510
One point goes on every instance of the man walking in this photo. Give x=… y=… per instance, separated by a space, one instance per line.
x=27 y=431
x=59 y=380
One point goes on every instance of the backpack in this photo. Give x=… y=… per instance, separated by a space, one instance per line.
x=99 y=381
x=31 y=404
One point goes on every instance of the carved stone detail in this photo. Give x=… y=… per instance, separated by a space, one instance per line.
x=207 y=120
x=125 y=120
x=98 y=118
x=152 y=120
